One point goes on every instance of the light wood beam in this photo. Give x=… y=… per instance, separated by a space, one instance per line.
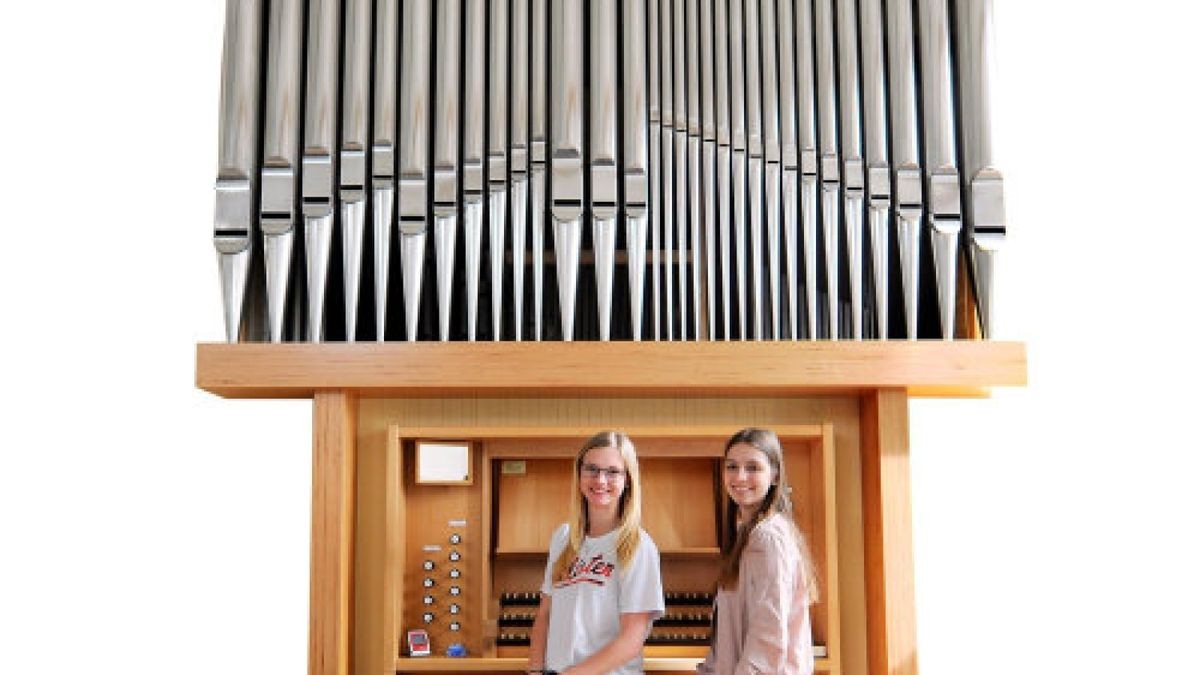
x=547 y=369
x=331 y=584
x=887 y=540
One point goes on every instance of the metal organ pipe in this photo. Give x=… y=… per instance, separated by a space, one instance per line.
x=709 y=170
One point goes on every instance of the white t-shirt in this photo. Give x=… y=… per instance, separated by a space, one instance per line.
x=586 y=608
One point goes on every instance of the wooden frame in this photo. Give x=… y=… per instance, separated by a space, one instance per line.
x=297 y=370
x=552 y=442
x=425 y=442
x=862 y=386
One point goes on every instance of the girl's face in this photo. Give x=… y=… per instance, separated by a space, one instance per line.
x=747 y=476
x=602 y=477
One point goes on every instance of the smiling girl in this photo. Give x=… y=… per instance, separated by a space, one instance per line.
x=761 y=622
x=602 y=589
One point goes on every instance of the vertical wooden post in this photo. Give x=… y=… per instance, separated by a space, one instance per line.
x=335 y=424
x=887 y=536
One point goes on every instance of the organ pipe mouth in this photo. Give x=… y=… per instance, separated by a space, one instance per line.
x=719 y=170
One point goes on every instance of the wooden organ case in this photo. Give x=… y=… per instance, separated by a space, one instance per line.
x=850 y=230
x=387 y=550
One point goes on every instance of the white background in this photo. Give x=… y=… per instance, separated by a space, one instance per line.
x=147 y=526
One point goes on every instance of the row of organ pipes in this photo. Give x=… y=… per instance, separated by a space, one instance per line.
x=727 y=169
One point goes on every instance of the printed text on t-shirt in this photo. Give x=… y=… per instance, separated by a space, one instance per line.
x=594 y=571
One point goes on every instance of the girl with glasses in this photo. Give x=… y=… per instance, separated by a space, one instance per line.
x=767 y=581
x=602 y=588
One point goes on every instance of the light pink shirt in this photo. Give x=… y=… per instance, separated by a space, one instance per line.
x=763 y=624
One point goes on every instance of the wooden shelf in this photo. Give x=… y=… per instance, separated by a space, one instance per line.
x=432 y=664
x=695 y=551
x=699 y=551
x=532 y=369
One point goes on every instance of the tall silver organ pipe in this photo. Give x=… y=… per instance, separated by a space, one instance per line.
x=907 y=191
x=497 y=158
x=982 y=183
x=790 y=194
x=875 y=153
x=604 y=202
x=707 y=170
x=830 y=168
x=709 y=131
x=653 y=98
x=666 y=22
x=446 y=114
x=414 y=120
x=383 y=151
x=281 y=154
x=519 y=157
x=473 y=153
x=944 y=215
x=566 y=150
x=356 y=92
x=853 y=177
x=320 y=168
x=806 y=139
x=636 y=159
x=237 y=181
x=539 y=72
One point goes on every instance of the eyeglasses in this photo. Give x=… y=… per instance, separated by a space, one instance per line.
x=612 y=474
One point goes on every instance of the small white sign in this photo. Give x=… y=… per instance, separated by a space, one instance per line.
x=446 y=463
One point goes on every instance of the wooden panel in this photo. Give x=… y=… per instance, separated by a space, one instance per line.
x=891 y=617
x=524 y=522
x=802 y=459
x=519 y=574
x=334 y=425
x=488 y=610
x=824 y=454
x=648 y=445
x=430 y=511
x=253 y=370
x=396 y=535
x=379 y=532
x=679 y=507
x=811 y=473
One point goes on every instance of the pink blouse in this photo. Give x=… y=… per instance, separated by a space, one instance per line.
x=763 y=624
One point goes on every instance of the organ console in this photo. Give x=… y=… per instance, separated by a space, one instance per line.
x=740 y=212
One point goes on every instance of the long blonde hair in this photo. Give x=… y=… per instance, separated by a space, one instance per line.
x=629 y=507
x=777 y=500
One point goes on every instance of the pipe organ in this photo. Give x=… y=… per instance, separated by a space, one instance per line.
x=779 y=213
x=397 y=170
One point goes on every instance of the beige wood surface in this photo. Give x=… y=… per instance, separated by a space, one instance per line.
x=395 y=538
x=333 y=497
x=891 y=616
x=826 y=475
x=662 y=664
x=250 y=370
x=679 y=503
x=531 y=505
x=379 y=536
x=487 y=608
